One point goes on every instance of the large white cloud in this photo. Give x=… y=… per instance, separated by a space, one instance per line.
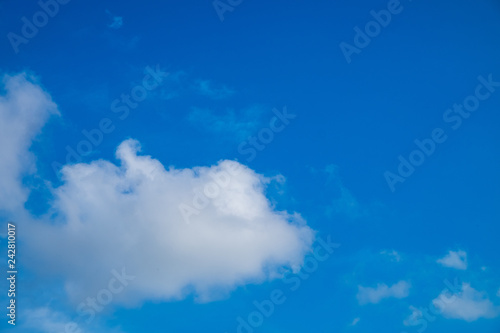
x=109 y=217
x=469 y=305
x=24 y=109
x=112 y=216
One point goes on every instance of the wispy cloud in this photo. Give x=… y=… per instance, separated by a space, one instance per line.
x=45 y=320
x=413 y=318
x=355 y=321
x=184 y=85
x=454 y=259
x=238 y=124
x=382 y=291
x=392 y=254
x=116 y=21
x=207 y=88
x=345 y=203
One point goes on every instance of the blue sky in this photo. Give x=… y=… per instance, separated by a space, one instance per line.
x=251 y=166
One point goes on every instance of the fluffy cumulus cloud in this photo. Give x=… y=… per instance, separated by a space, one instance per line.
x=111 y=216
x=24 y=109
x=382 y=291
x=122 y=224
x=469 y=305
x=454 y=259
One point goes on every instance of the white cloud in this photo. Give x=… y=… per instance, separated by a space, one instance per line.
x=128 y=216
x=106 y=216
x=375 y=295
x=454 y=259
x=498 y=293
x=468 y=305
x=24 y=109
